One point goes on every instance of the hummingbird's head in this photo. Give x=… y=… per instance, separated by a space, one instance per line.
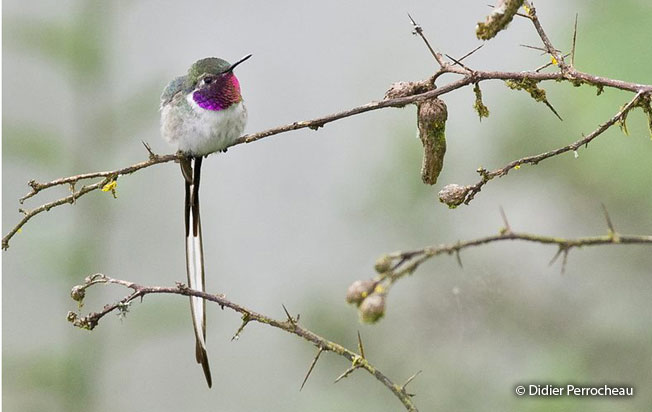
x=212 y=83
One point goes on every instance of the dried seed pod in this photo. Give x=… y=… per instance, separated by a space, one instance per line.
x=372 y=308
x=77 y=293
x=432 y=115
x=359 y=290
x=71 y=317
x=453 y=195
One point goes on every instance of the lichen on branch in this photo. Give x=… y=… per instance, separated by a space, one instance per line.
x=498 y=19
x=431 y=121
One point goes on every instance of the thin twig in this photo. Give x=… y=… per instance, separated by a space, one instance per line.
x=544 y=38
x=533 y=160
x=46 y=207
x=419 y=256
x=37 y=187
x=91 y=320
x=405 y=263
x=470 y=77
x=538 y=69
x=419 y=31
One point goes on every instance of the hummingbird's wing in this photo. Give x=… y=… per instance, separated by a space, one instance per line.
x=195 y=259
x=174 y=87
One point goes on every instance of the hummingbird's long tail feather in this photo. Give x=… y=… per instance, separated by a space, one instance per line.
x=195 y=259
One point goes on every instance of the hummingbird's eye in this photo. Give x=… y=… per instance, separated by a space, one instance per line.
x=208 y=80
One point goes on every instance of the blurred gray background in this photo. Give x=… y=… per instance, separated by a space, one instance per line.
x=295 y=218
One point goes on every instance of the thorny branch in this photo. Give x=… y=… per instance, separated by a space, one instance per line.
x=425 y=90
x=486 y=176
x=397 y=265
x=291 y=325
x=412 y=259
x=473 y=77
x=568 y=73
x=71 y=181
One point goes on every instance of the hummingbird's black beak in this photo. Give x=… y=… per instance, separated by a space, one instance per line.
x=233 y=66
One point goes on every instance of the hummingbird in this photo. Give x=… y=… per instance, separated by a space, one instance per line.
x=202 y=112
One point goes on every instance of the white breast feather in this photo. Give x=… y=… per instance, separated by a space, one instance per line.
x=198 y=131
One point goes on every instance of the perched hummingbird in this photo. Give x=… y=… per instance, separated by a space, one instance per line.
x=201 y=113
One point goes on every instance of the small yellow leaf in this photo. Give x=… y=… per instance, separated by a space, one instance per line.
x=553 y=60
x=20 y=230
x=517 y=167
x=526 y=8
x=110 y=186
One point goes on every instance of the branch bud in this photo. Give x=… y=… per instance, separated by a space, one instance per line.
x=359 y=290
x=372 y=308
x=383 y=264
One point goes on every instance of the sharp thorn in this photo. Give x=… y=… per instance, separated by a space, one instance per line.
x=508 y=229
x=312 y=366
x=610 y=224
x=471 y=52
x=410 y=379
x=527 y=46
x=456 y=61
x=290 y=319
x=554 y=258
x=346 y=373
x=553 y=110
x=459 y=258
x=414 y=23
x=574 y=42
x=360 y=347
x=564 y=260
x=245 y=321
